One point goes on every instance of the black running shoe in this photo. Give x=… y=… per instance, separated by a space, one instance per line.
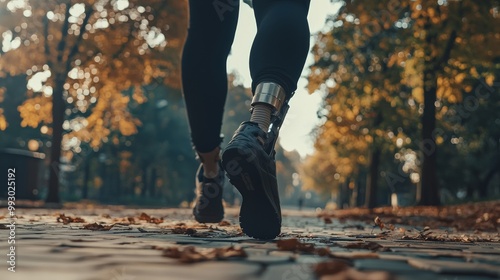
x=208 y=207
x=253 y=172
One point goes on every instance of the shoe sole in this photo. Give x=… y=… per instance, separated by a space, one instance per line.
x=259 y=216
x=208 y=219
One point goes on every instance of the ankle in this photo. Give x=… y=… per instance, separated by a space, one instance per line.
x=210 y=162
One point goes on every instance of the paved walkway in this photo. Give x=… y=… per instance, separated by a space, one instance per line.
x=156 y=245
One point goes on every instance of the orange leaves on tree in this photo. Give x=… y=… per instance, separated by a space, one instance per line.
x=3 y=121
x=108 y=54
x=36 y=110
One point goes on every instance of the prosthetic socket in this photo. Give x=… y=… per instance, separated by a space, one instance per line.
x=274 y=95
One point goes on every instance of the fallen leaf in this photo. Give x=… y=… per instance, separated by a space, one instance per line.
x=224 y=223
x=230 y=252
x=189 y=254
x=183 y=230
x=96 y=226
x=323 y=252
x=294 y=245
x=337 y=270
x=172 y=252
x=149 y=219
x=66 y=219
x=330 y=267
x=379 y=223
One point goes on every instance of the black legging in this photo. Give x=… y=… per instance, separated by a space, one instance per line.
x=278 y=55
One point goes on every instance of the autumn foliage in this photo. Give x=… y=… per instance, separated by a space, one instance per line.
x=79 y=56
x=403 y=82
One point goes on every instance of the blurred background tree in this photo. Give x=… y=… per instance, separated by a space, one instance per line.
x=383 y=66
x=79 y=56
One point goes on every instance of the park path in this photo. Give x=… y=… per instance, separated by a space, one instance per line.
x=156 y=244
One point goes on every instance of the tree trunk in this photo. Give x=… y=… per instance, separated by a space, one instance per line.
x=86 y=176
x=372 y=180
x=372 y=184
x=361 y=187
x=144 y=181
x=103 y=175
x=429 y=192
x=152 y=183
x=58 y=108
x=483 y=186
x=355 y=193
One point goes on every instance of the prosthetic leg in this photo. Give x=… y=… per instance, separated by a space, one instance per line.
x=274 y=95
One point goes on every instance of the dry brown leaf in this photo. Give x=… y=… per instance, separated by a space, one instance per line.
x=66 y=219
x=353 y=274
x=189 y=254
x=330 y=267
x=379 y=223
x=224 y=223
x=323 y=252
x=230 y=252
x=149 y=219
x=183 y=230
x=337 y=270
x=294 y=245
x=96 y=226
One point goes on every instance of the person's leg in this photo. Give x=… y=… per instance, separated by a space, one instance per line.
x=277 y=58
x=212 y=26
x=281 y=45
x=278 y=53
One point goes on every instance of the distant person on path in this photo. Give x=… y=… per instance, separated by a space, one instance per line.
x=277 y=58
